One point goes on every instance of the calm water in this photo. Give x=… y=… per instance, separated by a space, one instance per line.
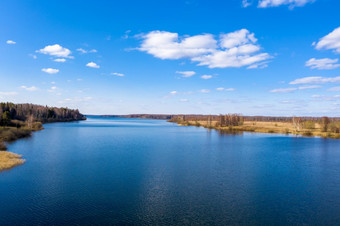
x=132 y=171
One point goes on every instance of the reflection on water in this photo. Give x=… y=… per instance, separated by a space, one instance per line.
x=229 y=132
x=112 y=171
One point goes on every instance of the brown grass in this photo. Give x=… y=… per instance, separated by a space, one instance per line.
x=270 y=127
x=9 y=160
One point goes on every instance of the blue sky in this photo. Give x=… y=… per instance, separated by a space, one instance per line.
x=260 y=57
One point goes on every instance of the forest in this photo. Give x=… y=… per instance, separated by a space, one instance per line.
x=36 y=113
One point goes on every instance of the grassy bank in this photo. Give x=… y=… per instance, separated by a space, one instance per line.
x=311 y=130
x=9 y=160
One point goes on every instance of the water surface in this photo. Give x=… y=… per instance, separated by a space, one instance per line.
x=133 y=171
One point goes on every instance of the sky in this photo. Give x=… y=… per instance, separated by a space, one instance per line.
x=253 y=57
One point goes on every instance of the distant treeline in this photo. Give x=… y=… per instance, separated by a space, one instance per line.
x=192 y=117
x=144 y=116
x=36 y=113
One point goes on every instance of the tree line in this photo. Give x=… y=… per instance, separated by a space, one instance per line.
x=36 y=113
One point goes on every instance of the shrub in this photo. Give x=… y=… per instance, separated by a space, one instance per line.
x=334 y=127
x=309 y=125
x=2 y=146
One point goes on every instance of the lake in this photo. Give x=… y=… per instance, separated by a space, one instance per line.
x=137 y=171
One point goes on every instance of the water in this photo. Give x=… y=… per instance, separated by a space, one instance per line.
x=133 y=171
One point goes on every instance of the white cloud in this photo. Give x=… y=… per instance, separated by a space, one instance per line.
x=330 y=41
x=235 y=49
x=166 y=45
x=117 y=74
x=283 y=90
x=309 y=87
x=186 y=74
x=276 y=3
x=33 y=56
x=60 y=60
x=183 y=100
x=225 y=89
x=10 y=42
x=52 y=89
x=55 y=50
x=81 y=50
x=291 y=89
x=206 y=76
x=93 y=65
x=8 y=93
x=335 y=89
x=245 y=3
x=315 y=80
x=322 y=64
x=173 y=92
x=50 y=70
x=205 y=91
x=32 y=88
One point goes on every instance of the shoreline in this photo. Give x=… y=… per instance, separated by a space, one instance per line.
x=251 y=127
x=9 y=160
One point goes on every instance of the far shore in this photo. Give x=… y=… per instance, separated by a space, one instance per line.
x=266 y=127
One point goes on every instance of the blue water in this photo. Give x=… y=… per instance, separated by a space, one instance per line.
x=109 y=171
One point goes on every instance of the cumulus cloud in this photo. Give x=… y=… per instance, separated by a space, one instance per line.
x=235 y=49
x=330 y=41
x=117 y=74
x=93 y=65
x=62 y=60
x=10 y=42
x=55 y=50
x=186 y=74
x=205 y=91
x=322 y=64
x=276 y=3
x=50 y=70
x=32 y=88
x=225 y=89
x=173 y=92
x=315 y=80
x=206 y=76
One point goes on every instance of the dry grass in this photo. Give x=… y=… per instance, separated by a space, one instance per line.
x=271 y=127
x=9 y=160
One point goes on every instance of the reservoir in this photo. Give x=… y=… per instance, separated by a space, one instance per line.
x=106 y=171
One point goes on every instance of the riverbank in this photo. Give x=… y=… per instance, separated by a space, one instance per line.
x=20 y=120
x=9 y=160
x=310 y=130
